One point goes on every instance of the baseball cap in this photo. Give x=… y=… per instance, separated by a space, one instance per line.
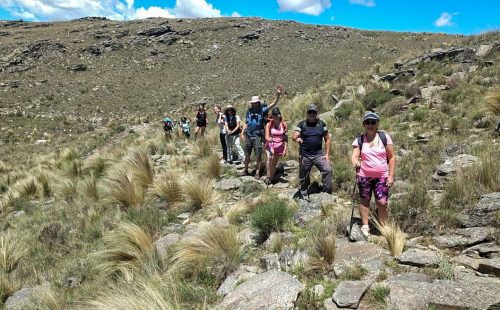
x=371 y=115
x=312 y=107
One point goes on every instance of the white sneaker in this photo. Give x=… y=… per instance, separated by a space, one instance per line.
x=365 y=230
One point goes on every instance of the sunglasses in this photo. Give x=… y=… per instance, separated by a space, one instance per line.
x=312 y=112
x=370 y=122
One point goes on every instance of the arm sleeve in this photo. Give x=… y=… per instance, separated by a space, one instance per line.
x=355 y=143
x=389 y=139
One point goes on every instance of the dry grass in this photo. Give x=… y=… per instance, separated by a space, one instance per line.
x=3 y=167
x=28 y=186
x=12 y=250
x=211 y=247
x=167 y=187
x=44 y=179
x=97 y=164
x=128 y=250
x=322 y=247
x=45 y=298
x=67 y=189
x=120 y=189
x=89 y=187
x=237 y=211
x=210 y=166
x=140 y=166
x=201 y=148
x=199 y=191
x=395 y=237
x=492 y=102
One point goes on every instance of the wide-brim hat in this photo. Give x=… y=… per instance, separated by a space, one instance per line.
x=229 y=107
x=255 y=99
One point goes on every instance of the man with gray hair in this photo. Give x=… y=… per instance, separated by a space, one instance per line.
x=309 y=134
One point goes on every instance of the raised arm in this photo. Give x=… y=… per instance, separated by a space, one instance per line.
x=279 y=91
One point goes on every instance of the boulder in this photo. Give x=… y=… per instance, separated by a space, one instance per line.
x=241 y=275
x=484 y=50
x=163 y=244
x=270 y=262
x=430 y=92
x=228 y=184
x=248 y=237
x=450 y=166
x=291 y=258
x=419 y=258
x=484 y=214
x=364 y=254
x=349 y=293
x=273 y=290
x=490 y=266
x=464 y=237
x=19 y=299
x=356 y=234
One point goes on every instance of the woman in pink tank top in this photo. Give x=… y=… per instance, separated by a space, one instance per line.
x=276 y=143
x=375 y=170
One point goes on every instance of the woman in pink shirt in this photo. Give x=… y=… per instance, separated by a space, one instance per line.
x=374 y=162
x=276 y=143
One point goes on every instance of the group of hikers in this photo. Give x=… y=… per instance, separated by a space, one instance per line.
x=373 y=154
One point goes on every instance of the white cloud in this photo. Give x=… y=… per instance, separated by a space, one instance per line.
x=235 y=14
x=368 y=3
x=309 y=7
x=445 y=19
x=114 y=9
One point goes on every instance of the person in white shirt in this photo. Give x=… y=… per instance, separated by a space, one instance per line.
x=233 y=130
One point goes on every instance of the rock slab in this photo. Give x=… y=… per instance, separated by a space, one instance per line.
x=272 y=290
x=418 y=257
x=349 y=293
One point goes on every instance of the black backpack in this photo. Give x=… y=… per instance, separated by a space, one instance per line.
x=231 y=124
x=382 y=136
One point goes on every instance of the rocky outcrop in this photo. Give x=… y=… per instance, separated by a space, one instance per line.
x=484 y=214
x=419 y=258
x=451 y=165
x=273 y=290
x=349 y=293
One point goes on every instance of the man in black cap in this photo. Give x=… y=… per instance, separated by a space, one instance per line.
x=309 y=134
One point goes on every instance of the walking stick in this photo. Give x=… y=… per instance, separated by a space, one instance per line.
x=353 y=203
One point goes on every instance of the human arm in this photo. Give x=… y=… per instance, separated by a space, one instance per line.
x=391 y=156
x=268 y=132
x=296 y=137
x=279 y=91
x=355 y=157
x=327 y=146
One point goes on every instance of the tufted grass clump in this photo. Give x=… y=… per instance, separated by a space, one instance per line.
x=271 y=216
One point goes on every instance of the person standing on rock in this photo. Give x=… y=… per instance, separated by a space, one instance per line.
x=374 y=160
x=201 y=121
x=253 y=129
x=309 y=134
x=276 y=143
x=233 y=130
x=221 y=121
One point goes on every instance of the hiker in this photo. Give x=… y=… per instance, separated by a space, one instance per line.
x=375 y=170
x=201 y=121
x=309 y=134
x=220 y=121
x=253 y=129
x=233 y=130
x=168 y=126
x=276 y=143
x=185 y=127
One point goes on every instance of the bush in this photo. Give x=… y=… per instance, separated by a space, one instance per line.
x=270 y=217
x=376 y=98
x=343 y=174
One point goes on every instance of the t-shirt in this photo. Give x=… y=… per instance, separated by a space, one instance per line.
x=373 y=159
x=312 y=137
x=220 y=122
x=255 y=120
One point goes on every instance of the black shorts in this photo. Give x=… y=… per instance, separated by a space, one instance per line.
x=187 y=134
x=254 y=143
x=200 y=124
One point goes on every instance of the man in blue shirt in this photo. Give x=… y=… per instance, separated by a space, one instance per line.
x=253 y=129
x=309 y=134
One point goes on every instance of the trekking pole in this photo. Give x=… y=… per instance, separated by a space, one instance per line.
x=353 y=203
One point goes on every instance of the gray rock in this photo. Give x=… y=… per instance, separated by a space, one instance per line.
x=418 y=257
x=270 y=262
x=484 y=212
x=411 y=276
x=349 y=293
x=490 y=266
x=430 y=92
x=155 y=31
x=454 y=150
x=248 y=237
x=72 y=282
x=464 y=237
x=291 y=258
x=483 y=250
x=19 y=213
x=307 y=212
x=184 y=216
x=228 y=285
x=356 y=234
x=273 y=290
x=362 y=254
x=484 y=50
x=78 y=67
x=221 y=221
x=228 y=184
x=450 y=166
x=19 y=299
x=163 y=244
x=318 y=289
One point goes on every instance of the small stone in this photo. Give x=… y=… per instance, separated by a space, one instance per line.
x=228 y=184
x=318 y=289
x=419 y=258
x=349 y=293
x=184 y=216
x=270 y=262
x=164 y=244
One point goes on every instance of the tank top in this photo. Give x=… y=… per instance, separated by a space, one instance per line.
x=277 y=134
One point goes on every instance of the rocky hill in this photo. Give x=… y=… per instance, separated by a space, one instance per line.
x=71 y=78
x=100 y=210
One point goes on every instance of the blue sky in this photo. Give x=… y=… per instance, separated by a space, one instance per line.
x=449 y=16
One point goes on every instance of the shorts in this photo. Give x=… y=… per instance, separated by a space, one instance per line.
x=277 y=150
x=254 y=143
x=368 y=185
x=201 y=124
x=187 y=134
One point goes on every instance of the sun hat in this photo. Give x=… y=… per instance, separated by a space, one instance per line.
x=312 y=107
x=229 y=107
x=255 y=99
x=371 y=115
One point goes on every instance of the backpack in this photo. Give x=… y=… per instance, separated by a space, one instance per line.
x=302 y=126
x=167 y=125
x=260 y=116
x=232 y=123
x=382 y=136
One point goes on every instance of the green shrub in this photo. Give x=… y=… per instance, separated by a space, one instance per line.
x=421 y=114
x=343 y=174
x=270 y=217
x=376 y=98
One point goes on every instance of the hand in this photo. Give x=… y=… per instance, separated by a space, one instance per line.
x=299 y=140
x=390 y=181
x=242 y=137
x=356 y=165
x=280 y=90
x=327 y=158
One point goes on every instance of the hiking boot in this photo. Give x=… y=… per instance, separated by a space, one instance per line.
x=365 y=230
